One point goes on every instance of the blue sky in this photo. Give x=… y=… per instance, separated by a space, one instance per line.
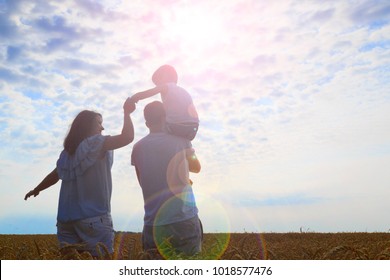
x=293 y=98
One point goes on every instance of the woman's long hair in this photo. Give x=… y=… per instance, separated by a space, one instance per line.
x=79 y=130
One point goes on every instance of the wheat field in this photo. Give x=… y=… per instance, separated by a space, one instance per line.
x=234 y=246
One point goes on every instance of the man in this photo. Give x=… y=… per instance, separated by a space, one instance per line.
x=162 y=163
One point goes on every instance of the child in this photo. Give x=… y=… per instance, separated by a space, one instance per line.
x=181 y=116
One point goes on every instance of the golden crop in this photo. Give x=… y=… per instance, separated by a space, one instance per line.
x=244 y=246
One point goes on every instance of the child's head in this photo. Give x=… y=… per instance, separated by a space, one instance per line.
x=164 y=74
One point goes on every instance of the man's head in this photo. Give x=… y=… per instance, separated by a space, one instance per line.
x=164 y=74
x=154 y=115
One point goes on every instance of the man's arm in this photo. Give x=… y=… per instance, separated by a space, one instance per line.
x=193 y=162
x=148 y=93
x=51 y=179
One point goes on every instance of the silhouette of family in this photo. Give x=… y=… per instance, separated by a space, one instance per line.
x=162 y=161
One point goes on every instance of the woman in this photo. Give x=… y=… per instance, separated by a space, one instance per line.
x=84 y=166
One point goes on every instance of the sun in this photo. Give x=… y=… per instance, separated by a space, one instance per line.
x=192 y=28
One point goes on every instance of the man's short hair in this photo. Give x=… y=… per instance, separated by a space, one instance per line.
x=154 y=112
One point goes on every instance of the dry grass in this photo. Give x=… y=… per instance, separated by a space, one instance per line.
x=235 y=246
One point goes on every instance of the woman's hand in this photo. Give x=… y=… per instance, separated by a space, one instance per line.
x=129 y=106
x=30 y=193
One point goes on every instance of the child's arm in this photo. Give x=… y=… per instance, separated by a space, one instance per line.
x=148 y=93
x=51 y=179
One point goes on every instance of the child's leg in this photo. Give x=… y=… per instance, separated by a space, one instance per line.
x=185 y=130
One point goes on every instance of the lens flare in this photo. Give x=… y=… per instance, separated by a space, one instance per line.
x=216 y=225
x=167 y=238
x=260 y=246
x=217 y=218
x=177 y=173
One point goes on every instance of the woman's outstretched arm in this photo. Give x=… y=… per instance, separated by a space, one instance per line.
x=51 y=179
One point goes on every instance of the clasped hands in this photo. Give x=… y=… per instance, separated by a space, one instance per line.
x=129 y=106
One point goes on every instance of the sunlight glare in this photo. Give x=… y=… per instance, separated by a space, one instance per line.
x=192 y=29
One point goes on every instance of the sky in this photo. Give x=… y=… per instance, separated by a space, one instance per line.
x=293 y=98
